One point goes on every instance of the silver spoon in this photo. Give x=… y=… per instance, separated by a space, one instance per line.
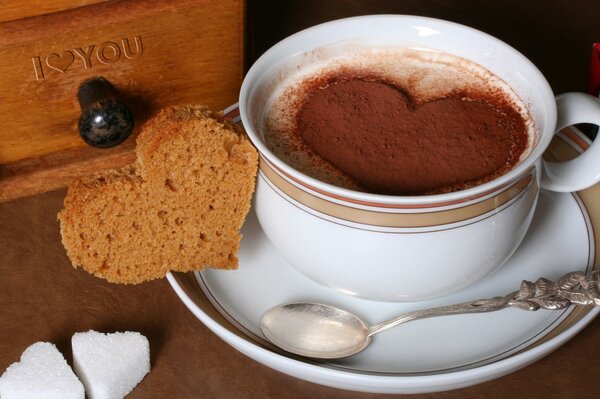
x=325 y=332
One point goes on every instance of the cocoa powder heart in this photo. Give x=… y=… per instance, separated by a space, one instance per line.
x=60 y=63
x=375 y=133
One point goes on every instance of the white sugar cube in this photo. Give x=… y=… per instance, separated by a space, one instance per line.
x=110 y=365
x=42 y=373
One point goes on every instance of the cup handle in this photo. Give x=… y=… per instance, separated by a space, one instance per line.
x=583 y=171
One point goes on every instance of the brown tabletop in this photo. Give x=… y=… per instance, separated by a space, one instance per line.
x=42 y=298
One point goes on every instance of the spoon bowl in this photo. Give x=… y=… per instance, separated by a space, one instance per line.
x=315 y=330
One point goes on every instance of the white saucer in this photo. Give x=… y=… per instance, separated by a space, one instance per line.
x=422 y=356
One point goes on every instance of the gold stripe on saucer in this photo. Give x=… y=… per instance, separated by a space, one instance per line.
x=400 y=220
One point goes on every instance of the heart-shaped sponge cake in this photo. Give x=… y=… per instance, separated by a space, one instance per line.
x=180 y=207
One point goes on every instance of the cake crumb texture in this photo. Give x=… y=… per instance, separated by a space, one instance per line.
x=180 y=207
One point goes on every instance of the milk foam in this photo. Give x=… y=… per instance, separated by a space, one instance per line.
x=424 y=74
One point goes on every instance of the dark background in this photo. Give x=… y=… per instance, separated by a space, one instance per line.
x=556 y=35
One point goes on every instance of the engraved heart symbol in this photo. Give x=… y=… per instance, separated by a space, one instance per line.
x=60 y=63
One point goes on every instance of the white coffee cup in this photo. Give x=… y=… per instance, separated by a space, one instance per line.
x=408 y=248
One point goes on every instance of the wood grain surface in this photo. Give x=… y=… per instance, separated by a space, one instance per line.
x=17 y=9
x=155 y=53
x=56 y=170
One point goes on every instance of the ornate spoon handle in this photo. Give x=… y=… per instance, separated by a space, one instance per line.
x=575 y=288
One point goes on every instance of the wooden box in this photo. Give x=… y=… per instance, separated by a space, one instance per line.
x=156 y=53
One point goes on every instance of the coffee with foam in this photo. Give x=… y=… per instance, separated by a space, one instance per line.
x=416 y=151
